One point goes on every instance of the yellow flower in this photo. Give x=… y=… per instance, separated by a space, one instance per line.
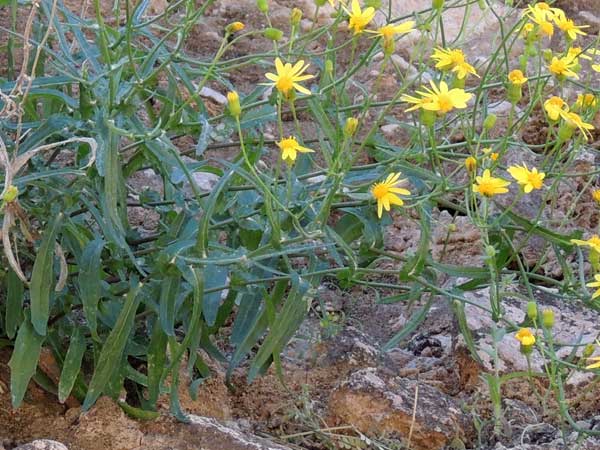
x=233 y=102
x=562 y=67
x=585 y=101
x=525 y=337
x=527 y=28
x=568 y=26
x=439 y=99
x=596 y=195
x=596 y=67
x=386 y=193
x=388 y=31
x=528 y=179
x=290 y=149
x=517 y=78
x=546 y=9
x=489 y=186
x=574 y=53
x=594 y=365
x=541 y=17
x=470 y=163
x=234 y=27
x=288 y=77
x=593 y=243
x=494 y=156
x=573 y=120
x=595 y=284
x=554 y=106
x=453 y=59
x=359 y=19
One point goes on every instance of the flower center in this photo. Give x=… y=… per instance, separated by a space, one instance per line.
x=284 y=83
x=486 y=188
x=287 y=144
x=379 y=191
x=445 y=103
x=534 y=180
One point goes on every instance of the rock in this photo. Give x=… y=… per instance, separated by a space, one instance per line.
x=217 y=97
x=42 y=444
x=378 y=405
x=202 y=433
x=574 y=323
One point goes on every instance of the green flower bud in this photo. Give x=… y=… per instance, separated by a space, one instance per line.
x=565 y=132
x=437 y=4
x=514 y=93
x=375 y=4
x=428 y=118
x=548 y=318
x=588 y=350
x=320 y=3
x=532 y=310
x=263 y=6
x=273 y=34
x=329 y=66
x=490 y=122
x=490 y=251
x=233 y=100
x=11 y=194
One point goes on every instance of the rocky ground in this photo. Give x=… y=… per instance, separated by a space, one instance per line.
x=340 y=390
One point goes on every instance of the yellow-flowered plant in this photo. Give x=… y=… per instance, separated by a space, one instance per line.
x=359 y=18
x=288 y=77
x=489 y=186
x=593 y=243
x=290 y=148
x=574 y=121
x=595 y=284
x=563 y=67
x=387 y=192
x=555 y=106
x=527 y=179
x=440 y=98
x=453 y=60
x=525 y=337
x=568 y=26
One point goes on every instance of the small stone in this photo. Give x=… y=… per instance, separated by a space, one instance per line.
x=42 y=444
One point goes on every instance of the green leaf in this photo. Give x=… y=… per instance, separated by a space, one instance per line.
x=215 y=276
x=90 y=283
x=157 y=359
x=111 y=355
x=169 y=292
x=23 y=361
x=41 y=278
x=14 y=303
x=137 y=413
x=71 y=365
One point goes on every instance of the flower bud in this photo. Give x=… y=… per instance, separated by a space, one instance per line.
x=234 y=27
x=548 y=54
x=565 y=132
x=11 y=194
x=320 y=3
x=596 y=196
x=273 y=34
x=547 y=318
x=295 y=17
x=428 y=117
x=351 y=126
x=263 y=6
x=490 y=122
x=437 y=4
x=470 y=164
x=329 y=66
x=514 y=93
x=588 y=350
x=490 y=251
x=532 y=311
x=375 y=4
x=452 y=228
x=233 y=100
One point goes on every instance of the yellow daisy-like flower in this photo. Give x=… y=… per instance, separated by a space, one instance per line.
x=563 y=67
x=386 y=193
x=585 y=101
x=554 y=106
x=388 y=31
x=574 y=120
x=545 y=9
x=525 y=337
x=517 y=78
x=288 y=77
x=359 y=19
x=290 y=148
x=568 y=26
x=596 y=196
x=488 y=186
x=454 y=60
x=574 y=53
x=595 y=284
x=596 y=67
x=593 y=243
x=528 y=179
x=541 y=18
x=439 y=99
